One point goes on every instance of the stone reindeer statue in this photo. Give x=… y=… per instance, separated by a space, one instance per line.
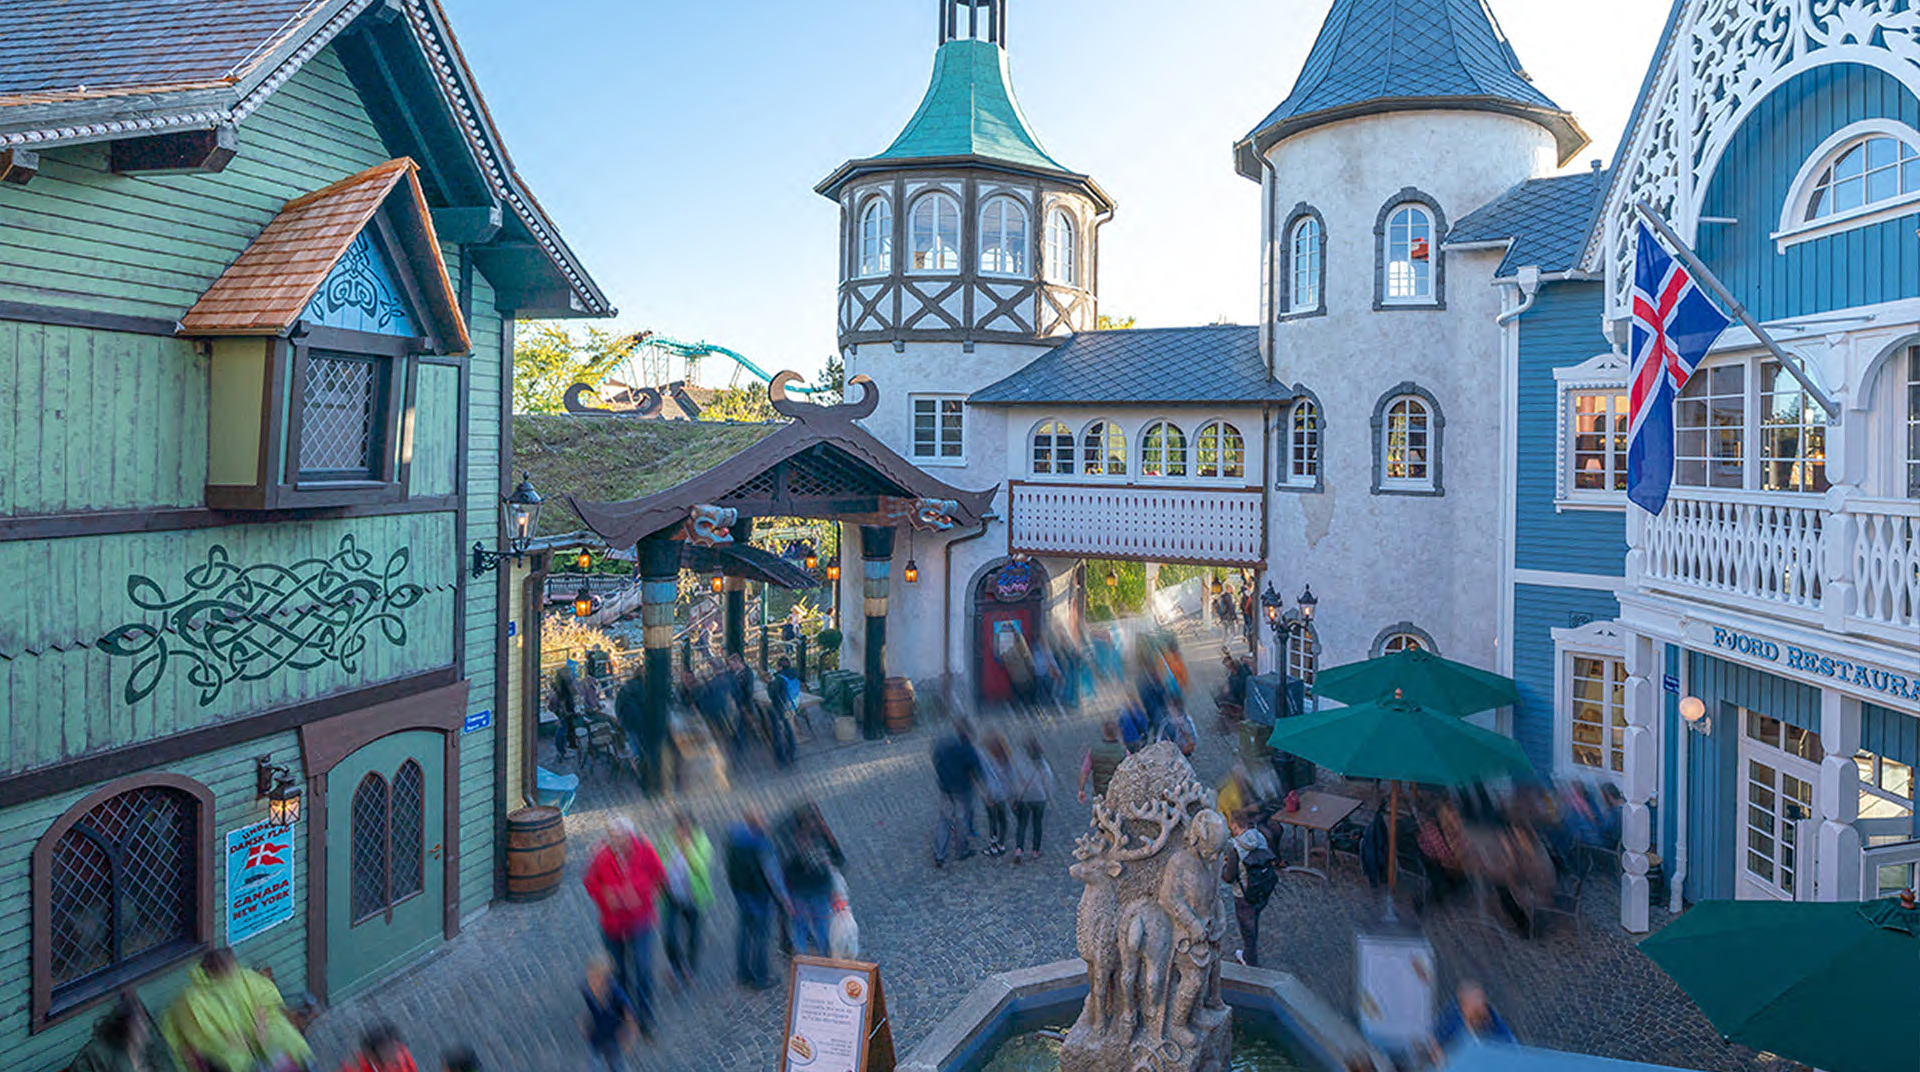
x=1150 y=924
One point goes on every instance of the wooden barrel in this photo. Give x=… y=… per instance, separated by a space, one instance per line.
x=536 y=852
x=899 y=705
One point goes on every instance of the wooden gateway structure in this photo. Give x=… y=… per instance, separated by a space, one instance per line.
x=260 y=263
x=820 y=466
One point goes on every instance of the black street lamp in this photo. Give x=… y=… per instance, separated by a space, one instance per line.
x=1287 y=623
x=518 y=512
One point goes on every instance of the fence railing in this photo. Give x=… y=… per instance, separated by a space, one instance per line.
x=1202 y=525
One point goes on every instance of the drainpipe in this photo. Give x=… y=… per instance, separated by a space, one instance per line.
x=1269 y=479
x=946 y=604
x=1270 y=301
x=1677 y=800
x=1527 y=281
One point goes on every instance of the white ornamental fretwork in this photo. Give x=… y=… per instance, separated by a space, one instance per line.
x=1725 y=56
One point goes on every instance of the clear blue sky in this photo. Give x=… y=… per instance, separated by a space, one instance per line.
x=677 y=142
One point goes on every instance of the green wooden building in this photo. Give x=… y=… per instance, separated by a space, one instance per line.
x=260 y=262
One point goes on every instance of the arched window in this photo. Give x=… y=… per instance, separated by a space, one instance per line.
x=876 y=237
x=1401 y=642
x=1163 y=450
x=122 y=885
x=1407 y=430
x=934 y=234
x=1302 y=445
x=1103 y=449
x=1220 y=451
x=1060 y=247
x=1003 y=237
x=1053 y=449
x=1409 y=254
x=1303 y=655
x=1304 y=265
x=387 y=857
x=1866 y=172
x=1403 y=636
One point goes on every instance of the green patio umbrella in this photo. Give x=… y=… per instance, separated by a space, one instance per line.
x=1829 y=985
x=1395 y=739
x=1421 y=676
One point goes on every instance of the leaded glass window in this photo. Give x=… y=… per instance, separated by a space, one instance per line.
x=122 y=888
x=369 y=848
x=407 y=844
x=340 y=411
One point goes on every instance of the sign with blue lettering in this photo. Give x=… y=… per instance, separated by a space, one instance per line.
x=513 y=628
x=478 y=721
x=259 y=880
x=1813 y=667
x=1671 y=683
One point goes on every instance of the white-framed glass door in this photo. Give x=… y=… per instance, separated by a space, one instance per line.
x=1779 y=768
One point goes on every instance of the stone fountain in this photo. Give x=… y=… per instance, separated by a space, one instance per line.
x=1150 y=924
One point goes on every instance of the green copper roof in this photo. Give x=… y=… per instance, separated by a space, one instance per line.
x=969 y=110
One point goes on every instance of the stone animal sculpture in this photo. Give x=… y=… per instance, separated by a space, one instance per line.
x=1146 y=959
x=1098 y=931
x=1190 y=892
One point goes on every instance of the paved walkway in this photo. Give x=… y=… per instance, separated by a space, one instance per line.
x=509 y=985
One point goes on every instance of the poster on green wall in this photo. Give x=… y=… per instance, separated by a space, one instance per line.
x=259 y=880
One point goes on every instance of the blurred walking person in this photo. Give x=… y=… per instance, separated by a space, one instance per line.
x=624 y=879
x=689 y=893
x=956 y=770
x=1101 y=760
x=610 y=1018
x=809 y=855
x=1031 y=781
x=753 y=871
x=380 y=1051
x=230 y=1019
x=125 y=1040
x=996 y=764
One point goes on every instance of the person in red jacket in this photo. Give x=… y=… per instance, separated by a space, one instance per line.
x=623 y=878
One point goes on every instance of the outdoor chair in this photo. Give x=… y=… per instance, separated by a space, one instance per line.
x=1567 y=886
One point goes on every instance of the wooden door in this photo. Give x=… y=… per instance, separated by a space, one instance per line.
x=386 y=845
x=993 y=627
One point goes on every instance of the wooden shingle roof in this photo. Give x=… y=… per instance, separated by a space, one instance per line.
x=266 y=289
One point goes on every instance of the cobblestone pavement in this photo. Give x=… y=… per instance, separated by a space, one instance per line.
x=509 y=986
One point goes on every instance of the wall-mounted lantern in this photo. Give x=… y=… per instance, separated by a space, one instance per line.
x=282 y=794
x=518 y=512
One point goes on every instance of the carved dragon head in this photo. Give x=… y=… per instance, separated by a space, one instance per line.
x=788 y=406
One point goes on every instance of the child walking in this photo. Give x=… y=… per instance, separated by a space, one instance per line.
x=610 y=1023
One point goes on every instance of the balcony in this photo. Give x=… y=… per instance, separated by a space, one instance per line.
x=1856 y=568
x=1202 y=525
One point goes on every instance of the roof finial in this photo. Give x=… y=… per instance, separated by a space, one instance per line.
x=973 y=20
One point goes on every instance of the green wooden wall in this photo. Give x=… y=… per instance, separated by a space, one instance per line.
x=100 y=420
x=229 y=774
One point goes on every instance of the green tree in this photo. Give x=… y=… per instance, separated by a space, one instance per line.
x=548 y=358
x=749 y=404
x=1114 y=323
x=832 y=382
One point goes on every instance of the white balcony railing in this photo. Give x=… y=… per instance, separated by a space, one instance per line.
x=1885 y=561
x=1746 y=544
x=1792 y=553
x=1223 y=526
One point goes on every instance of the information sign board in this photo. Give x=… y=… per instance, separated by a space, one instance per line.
x=836 y=1018
x=259 y=880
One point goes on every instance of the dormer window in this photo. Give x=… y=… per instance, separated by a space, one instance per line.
x=876 y=237
x=1863 y=174
x=1003 y=237
x=934 y=234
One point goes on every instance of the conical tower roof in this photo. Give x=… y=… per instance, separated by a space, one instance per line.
x=1377 y=56
x=969 y=116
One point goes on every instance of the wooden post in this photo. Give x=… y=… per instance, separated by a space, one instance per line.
x=876 y=560
x=659 y=591
x=736 y=590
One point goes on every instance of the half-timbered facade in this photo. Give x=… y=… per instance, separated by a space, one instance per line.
x=260 y=262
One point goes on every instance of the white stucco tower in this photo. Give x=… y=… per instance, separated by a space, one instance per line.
x=966 y=251
x=1391 y=474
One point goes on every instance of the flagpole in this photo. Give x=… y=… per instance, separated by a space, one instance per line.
x=1706 y=278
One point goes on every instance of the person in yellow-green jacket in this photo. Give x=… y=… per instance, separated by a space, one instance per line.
x=230 y=1019
x=687 y=895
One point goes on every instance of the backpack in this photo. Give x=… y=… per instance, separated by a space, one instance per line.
x=1259 y=875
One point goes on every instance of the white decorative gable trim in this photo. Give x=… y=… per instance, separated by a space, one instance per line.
x=1719 y=60
x=1599 y=637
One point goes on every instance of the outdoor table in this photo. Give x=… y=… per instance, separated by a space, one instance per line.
x=1319 y=812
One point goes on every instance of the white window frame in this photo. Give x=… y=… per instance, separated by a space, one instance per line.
x=1602 y=372
x=939 y=405
x=1304 y=267
x=874 y=255
x=1594 y=640
x=1053 y=430
x=1408 y=239
x=1781 y=762
x=1005 y=242
x=1300 y=465
x=1795 y=228
x=1218 y=427
x=1908 y=427
x=1062 y=249
x=1752 y=426
x=1303 y=657
x=1185 y=459
x=1429 y=430
x=1101 y=461
x=939 y=202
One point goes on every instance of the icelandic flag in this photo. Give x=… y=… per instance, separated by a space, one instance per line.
x=1674 y=323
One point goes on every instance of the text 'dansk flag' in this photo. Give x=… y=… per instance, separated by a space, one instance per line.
x=1674 y=324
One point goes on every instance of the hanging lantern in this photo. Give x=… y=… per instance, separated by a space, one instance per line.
x=716 y=583
x=1307 y=603
x=833 y=571
x=276 y=784
x=1113 y=579
x=911 y=574
x=584 y=560
x=813 y=559
x=582 y=603
x=1215 y=586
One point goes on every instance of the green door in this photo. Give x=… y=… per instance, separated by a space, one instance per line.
x=385 y=852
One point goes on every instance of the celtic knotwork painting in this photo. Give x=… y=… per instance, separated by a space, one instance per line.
x=242 y=623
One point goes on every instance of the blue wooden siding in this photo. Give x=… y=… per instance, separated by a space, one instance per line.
x=1562 y=329
x=1894 y=735
x=1876 y=263
x=1537 y=611
x=1714 y=789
